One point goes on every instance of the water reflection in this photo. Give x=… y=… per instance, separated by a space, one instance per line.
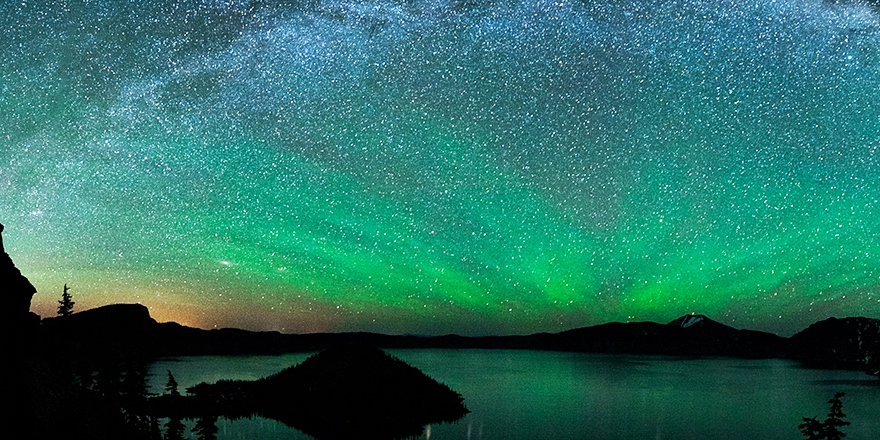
x=206 y=428
x=519 y=395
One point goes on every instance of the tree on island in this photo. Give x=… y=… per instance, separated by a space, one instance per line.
x=813 y=429
x=174 y=428
x=171 y=385
x=65 y=305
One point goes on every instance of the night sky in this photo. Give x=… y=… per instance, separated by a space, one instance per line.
x=476 y=167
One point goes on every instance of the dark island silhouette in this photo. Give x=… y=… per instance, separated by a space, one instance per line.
x=347 y=391
x=83 y=375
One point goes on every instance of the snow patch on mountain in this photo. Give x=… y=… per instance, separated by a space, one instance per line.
x=692 y=320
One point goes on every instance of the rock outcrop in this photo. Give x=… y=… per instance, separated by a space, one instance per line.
x=16 y=292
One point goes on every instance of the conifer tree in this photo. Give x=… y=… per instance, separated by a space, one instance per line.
x=174 y=427
x=65 y=305
x=835 y=419
x=171 y=385
x=813 y=429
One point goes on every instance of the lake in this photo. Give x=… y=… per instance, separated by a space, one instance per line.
x=531 y=395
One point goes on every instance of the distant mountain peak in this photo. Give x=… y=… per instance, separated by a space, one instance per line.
x=690 y=321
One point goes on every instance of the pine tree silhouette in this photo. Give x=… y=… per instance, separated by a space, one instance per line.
x=171 y=385
x=65 y=305
x=174 y=427
x=813 y=429
x=835 y=418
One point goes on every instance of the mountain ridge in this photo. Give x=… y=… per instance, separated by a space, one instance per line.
x=129 y=330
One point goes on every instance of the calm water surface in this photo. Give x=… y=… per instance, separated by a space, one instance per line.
x=529 y=395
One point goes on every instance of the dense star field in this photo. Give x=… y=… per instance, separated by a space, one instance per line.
x=429 y=167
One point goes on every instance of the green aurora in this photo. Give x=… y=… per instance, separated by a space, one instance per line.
x=436 y=167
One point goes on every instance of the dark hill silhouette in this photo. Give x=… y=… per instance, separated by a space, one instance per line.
x=689 y=335
x=346 y=391
x=123 y=327
x=117 y=331
x=697 y=334
x=612 y=337
x=848 y=343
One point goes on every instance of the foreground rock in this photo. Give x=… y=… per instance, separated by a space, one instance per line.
x=39 y=400
x=342 y=392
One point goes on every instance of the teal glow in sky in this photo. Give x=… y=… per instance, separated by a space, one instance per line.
x=434 y=167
